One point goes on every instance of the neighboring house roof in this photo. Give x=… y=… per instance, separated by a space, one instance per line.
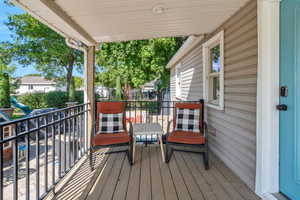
x=35 y=80
x=188 y=45
x=150 y=84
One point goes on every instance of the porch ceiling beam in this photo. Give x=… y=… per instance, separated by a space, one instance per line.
x=58 y=11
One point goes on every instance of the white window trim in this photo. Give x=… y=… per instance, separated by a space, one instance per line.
x=178 y=87
x=218 y=38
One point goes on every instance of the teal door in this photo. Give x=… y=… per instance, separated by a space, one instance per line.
x=290 y=99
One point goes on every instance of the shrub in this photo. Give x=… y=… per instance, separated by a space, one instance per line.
x=4 y=91
x=54 y=99
x=34 y=100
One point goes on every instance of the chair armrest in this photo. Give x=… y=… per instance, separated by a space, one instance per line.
x=169 y=126
x=205 y=130
x=130 y=128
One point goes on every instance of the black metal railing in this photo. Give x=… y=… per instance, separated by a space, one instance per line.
x=151 y=112
x=37 y=152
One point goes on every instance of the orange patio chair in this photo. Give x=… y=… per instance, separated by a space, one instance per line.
x=189 y=129
x=111 y=129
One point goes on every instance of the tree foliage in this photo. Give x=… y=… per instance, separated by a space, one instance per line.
x=136 y=62
x=4 y=90
x=36 y=44
x=8 y=84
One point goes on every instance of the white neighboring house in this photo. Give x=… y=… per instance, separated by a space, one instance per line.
x=32 y=84
x=102 y=91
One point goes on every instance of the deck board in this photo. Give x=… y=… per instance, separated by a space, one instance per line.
x=109 y=188
x=188 y=178
x=181 y=188
x=205 y=188
x=157 y=189
x=168 y=184
x=145 y=183
x=149 y=178
x=134 y=179
x=122 y=185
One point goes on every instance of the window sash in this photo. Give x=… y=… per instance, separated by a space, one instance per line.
x=213 y=92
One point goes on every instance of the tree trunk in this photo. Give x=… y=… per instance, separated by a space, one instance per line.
x=127 y=89
x=69 y=73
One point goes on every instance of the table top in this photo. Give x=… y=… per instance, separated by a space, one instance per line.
x=147 y=129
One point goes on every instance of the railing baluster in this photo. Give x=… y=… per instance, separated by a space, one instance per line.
x=78 y=133
x=162 y=119
x=27 y=161
x=37 y=158
x=53 y=149
x=135 y=111
x=15 y=164
x=59 y=130
x=168 y=110
x=65 y=142
x=69 y=134
x=80 y=130
x=1 y=162
x=73 y=137
x=46 y=153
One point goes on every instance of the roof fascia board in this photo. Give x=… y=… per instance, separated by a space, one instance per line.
x=188 y=46
x=58 y=11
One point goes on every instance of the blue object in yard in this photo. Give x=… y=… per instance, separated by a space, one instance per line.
x=25 y=109
x=22 y=147
x=4 y=117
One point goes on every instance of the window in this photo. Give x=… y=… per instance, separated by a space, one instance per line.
x=30 y=87
x=178 y=80
x=213 y=71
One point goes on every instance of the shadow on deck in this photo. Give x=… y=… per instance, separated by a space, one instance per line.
x=150 y=178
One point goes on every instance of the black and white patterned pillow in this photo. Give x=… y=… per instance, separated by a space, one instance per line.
x=111 y=123
x=187 y=120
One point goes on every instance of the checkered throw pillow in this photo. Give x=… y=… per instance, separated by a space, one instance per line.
x=187 y=120
x=111 y=123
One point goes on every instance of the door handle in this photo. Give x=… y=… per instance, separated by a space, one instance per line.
x=282 y=107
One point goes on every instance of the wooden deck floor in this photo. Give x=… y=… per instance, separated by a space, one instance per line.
x=149 y=178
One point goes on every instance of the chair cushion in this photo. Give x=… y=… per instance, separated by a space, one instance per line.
x=111 y=123
x=187 y=120
x=112 y=138
x=186 y=137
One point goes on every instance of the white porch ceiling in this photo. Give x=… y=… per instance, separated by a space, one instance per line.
x=96 y=21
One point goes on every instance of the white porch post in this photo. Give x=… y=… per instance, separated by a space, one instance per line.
x=267 y=161
x=89 y=94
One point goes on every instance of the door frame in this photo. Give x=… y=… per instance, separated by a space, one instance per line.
x=267 y=125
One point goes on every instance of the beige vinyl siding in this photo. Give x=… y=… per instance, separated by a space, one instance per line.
x=173 y=84
x=233 y=131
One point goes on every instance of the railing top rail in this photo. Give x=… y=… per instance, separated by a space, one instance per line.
x=144 y=101
x=40 y=115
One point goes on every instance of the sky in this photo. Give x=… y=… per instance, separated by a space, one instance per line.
x=5 y=35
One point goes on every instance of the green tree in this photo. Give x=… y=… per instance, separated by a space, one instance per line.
x=4 y=91
x=135 y=62
x=7 y=83
x=118 y=94
x=36 y=44
x=78 y=82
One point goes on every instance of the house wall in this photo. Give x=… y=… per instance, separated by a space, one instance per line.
x=232 y=131
x=36 y=88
